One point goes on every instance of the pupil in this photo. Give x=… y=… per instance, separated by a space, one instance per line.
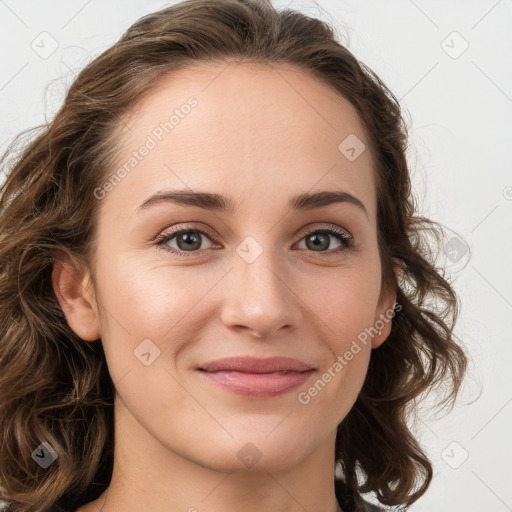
x=190 y=239
x=317 y=240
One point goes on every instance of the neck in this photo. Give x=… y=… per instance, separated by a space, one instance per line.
x=178 y=483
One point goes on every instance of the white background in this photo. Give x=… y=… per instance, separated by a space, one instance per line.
x=459 y=112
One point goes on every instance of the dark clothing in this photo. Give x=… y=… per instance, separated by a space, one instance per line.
x=351 y=501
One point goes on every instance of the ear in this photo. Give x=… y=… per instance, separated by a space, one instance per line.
x=385 y=307
x=75 y=292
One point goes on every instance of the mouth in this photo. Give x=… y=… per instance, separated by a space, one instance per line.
x=249 y=364
x=258 y=378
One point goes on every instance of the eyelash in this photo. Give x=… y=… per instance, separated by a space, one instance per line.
x=346 y=240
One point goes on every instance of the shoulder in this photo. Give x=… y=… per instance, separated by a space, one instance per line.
x=351 y=501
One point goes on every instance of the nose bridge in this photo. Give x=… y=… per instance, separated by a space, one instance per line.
x=261 y=269
x=259 y=296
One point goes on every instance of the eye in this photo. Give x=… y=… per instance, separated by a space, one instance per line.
x=188 y=241
x=318 y=239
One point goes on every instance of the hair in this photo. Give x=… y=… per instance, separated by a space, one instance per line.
x=55 y=388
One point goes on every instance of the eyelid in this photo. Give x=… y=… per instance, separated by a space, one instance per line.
x=325 y=226
x=317 y=226
x=178 y=228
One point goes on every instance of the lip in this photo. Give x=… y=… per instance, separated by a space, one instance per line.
x=256 y=377
x=247 y=364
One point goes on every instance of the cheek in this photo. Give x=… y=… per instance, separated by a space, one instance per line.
x=344 y=310
x=149 y=319
x=140 y=304
x=149 y=299
x=344 y=303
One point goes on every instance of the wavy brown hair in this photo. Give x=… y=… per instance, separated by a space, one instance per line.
x=56 y=388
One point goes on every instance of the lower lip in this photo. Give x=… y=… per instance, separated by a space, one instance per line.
x=260 y=385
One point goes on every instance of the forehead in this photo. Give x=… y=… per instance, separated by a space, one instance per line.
x=243 y=124
x=249 y=95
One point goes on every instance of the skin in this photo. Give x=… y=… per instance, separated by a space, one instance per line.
x=259 y=134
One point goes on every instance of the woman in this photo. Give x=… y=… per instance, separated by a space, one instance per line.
x=216 y=293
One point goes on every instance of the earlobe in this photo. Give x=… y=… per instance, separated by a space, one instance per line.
x=74 y=291
x=383 y=322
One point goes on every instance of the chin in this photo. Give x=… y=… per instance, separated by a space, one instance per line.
x=248 y=453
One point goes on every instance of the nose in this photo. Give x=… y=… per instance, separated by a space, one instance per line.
x=260 y=298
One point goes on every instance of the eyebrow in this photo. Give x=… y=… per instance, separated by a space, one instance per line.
x=217 y=202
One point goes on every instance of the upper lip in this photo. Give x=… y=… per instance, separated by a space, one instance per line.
x=256 y=365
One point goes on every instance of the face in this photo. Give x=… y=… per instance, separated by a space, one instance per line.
x=178 y=286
